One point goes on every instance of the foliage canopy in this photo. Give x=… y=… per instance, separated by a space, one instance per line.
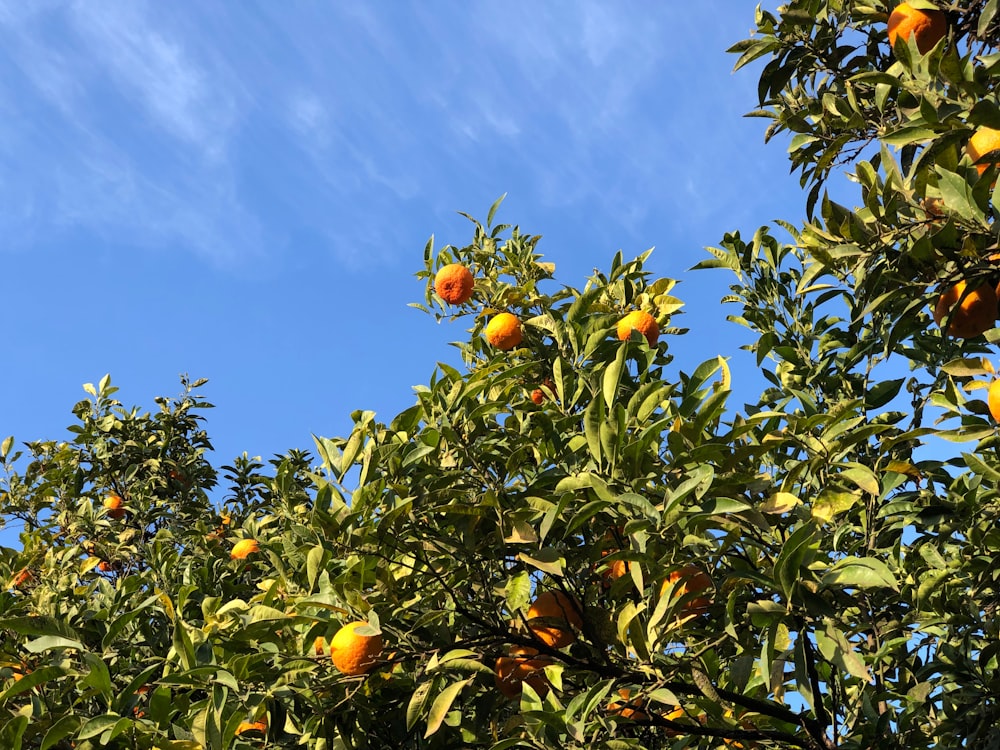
x=799 y=572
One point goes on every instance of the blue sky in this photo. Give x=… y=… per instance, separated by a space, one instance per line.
x=242 y=191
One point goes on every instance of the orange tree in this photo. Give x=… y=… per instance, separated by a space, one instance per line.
x=570 y=541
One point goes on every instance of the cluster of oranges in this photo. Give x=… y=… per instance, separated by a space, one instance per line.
x=966 y=311
x=554 y=618
x=454 y=283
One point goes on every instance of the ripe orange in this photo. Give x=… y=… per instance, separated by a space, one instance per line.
x=115 y=506
x=975 y=314
x=993 y=399
x=454 y=283
x=629 y=710
x=552 y=617
x=539 y=396
x=20 y=578
x=927 y=26
x=676 y=714
x=641 y=321
x=319 y=645
x=244 y=548
x=354 y=654
x=513 y=671
x=105 y=567
x=504 y=331
x=252 y=726
x=983 y=141
x=690 y=580
x=613 y=572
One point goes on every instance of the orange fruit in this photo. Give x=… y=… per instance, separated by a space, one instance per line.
x=983 y=141
x=539 y=395
x=319 y=645
x=504 y=331
x=927 y=26
x=354 y=654
x=115 y=506
x=640 y=321
x=629 y=709
x=616 y=570
x=689 y=580
x=552 y=617
x=993 y=399
x=251 y=726
x=244 y=548
x=975 y=314
x=513 y=671
x=676 y=714
x=454 y=283
x=20 y=578
x=105 y=567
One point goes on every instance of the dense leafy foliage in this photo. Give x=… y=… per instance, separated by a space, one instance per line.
x=850 y=549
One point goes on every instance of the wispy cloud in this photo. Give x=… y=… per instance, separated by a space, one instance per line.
x=119 y=126
x=178 y=94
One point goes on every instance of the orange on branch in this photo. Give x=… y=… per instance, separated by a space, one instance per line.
x=20 y=578
x=984 y=141
x=553 y=617
x=523 y=666
x=251 y=726
x=454 y=283
x=540 y=395
x=244 y=548
x=354 y=654
x=969 y=314
x=927 y=27
x=641 y=321
x=628 y=709
x=503 y=331
x=690 y=580
x=115 y=506
x=993 y=399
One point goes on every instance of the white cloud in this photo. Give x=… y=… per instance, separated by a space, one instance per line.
x=309 y=118
x=179 y=95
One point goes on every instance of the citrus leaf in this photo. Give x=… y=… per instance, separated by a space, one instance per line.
x=442 y=704
x=862 y=573
x=418 y=703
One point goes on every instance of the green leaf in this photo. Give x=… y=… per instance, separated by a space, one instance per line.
x=593 y=418
x=517 y=592
x=314 y=563
x=442 y=704
x=832 y=502
x=836 y=648
x=418 y=703
x=861 y=573
x=60 y=730
x=31 y=680
x=863 y=478
x=12 y=733
x=47 y=642
x=968 y=367
x=99 y=677
x=548 y=560
x=779 y=503
x=98 y=725
x=612 y=376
